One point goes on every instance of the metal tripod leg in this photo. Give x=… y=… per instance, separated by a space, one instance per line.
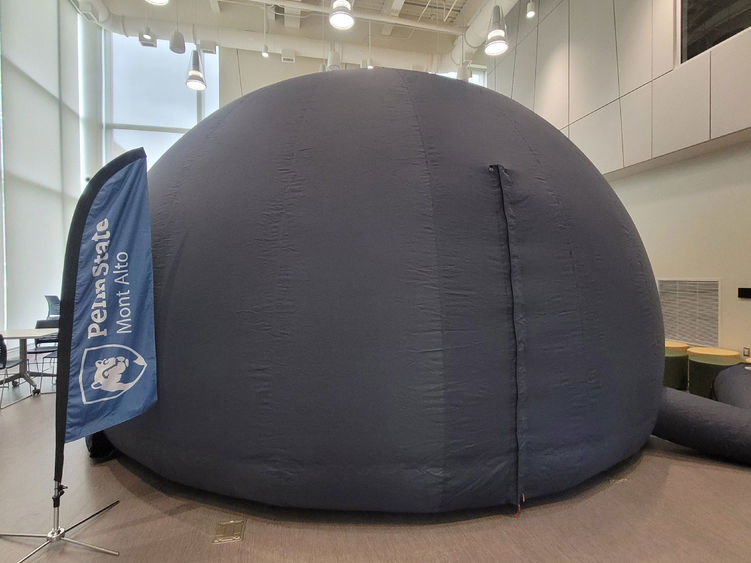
x=92 y=547
x=41 y=547
x=58 y=534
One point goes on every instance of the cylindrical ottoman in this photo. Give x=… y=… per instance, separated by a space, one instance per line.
x=676 y=365
x=703 y=366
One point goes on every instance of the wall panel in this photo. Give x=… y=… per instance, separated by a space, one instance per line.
x=523 y=89
x=593 y=73
x=663 y=32
x=545 y=7
x=504 y=74
x=34 y=250
x=598 y=135
x=29 y=36
x=633 y=23
x=681 y=106
x=731 y=85
x=31 y=129
x=636 y=111
x=71 y=153
x=512 y=26
x=68 y=55
x=552 y=84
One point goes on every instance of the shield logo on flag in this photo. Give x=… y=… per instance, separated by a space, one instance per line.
x=109 y=371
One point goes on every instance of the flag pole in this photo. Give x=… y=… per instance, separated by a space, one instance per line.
x=65 y=335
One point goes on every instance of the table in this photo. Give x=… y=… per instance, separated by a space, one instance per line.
x=22 y=335
x=676 y=365
x=703 y=366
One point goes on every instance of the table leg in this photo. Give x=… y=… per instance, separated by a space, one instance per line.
x=24 y=367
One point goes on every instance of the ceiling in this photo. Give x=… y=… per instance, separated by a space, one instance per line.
x=447 y=20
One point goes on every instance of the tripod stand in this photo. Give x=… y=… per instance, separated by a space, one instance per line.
x=59 y=534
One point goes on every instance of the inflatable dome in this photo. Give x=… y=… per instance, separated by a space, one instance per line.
x=389 y=290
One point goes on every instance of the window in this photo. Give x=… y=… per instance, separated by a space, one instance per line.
x=478 y=75
x=147 y=103
x=705 y=23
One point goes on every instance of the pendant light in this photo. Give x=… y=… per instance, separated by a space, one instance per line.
x=369 y=63
x=531 y=11
x=496 y=42
x=334 y=61
x=195 y=79
x=177 y=41
x=265 y=51
x=341 y=15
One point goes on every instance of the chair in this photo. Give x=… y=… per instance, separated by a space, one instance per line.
x=53 y=306
x=5 y=365
x=46 y=349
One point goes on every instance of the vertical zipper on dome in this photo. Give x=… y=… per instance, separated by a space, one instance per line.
x=499 y=171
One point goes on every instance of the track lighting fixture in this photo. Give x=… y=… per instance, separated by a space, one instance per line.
x=531 y=11
x=265 y=52
x=195 y=79
x=341 y=15
x=146 y=38
x=496 y=43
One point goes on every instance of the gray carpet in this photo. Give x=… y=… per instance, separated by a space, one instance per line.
x=665 y=504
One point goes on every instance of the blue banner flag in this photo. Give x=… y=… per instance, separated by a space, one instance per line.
x=112 y=359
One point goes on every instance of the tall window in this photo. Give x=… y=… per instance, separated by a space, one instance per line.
x=705 y=23
x=147 y=103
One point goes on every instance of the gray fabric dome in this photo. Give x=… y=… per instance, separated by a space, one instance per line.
x=387 y=290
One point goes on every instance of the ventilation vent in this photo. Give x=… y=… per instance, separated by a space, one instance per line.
x=690 y=309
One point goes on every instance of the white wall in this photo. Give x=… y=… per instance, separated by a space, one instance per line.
x=695 y=220
x=41 y=156
x=604 y=72
x=243 y=71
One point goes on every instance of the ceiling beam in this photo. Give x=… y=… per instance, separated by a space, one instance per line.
x=292 y=18
x=392 y=8
x=360 y=15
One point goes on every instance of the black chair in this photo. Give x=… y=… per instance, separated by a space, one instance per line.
x=5 y=365
x=45 y=349
x=53 y=306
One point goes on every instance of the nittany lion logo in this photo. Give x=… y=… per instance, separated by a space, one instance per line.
x=109 y=371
